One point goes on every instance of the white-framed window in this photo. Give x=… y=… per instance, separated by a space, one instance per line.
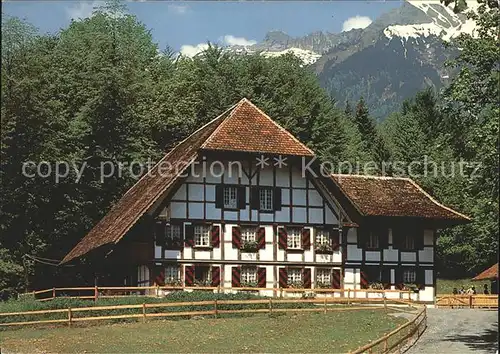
x=294 y=275
x=172 y=273
x=230 y=197
x=173 y=235
x=248 y=234
x=202 y=235
x=322 y=237
x=409 y=242
x=324 y=275
x=266 y=199
x=373 y=241
x=142 y=276
x=248 y=275
x=294 y=237
x=409 y=276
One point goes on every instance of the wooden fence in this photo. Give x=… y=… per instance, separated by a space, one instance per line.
x=94 y=293
x=467 y=301
x=213 y=308
x=402 y=336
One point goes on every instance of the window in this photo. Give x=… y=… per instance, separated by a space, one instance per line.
x=408 y=242
x=294 y=238
x=373 y=241
x=248 y=275
x=171 y=274
x=202 y=235
x=173 y=235
x=202 y=275
x=230 y=197
x=322 y=237
x=294 y=276
x=409 y=276
x=266 y=199
x=248 y=234
x=323 y=276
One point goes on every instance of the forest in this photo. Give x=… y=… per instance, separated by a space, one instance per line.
x=102 y=90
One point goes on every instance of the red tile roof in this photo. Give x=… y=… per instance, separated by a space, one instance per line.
x=243 y=127
x=248 y=129
x=392 y=196
x=490 y=273
x=138 y=199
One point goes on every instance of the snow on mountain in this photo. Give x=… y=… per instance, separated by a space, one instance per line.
x=442 y=22
x=307 y=56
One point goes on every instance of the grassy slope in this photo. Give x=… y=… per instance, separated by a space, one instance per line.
x=306 y=333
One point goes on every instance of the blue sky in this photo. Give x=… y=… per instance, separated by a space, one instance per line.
x=190 y=23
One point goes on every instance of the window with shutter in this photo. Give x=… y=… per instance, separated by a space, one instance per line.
x=248 y=277
x=173 y=236
x=323 y=277
x=294 y=238
x=294 y=277
x=172 y=275
x=230 y=197
x=266 y=199
x=373 y=240
x=202 y=235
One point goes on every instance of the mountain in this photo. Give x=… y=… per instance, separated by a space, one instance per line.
x=398 y=54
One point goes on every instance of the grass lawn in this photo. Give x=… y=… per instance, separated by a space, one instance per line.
x=445 y=286
x=304 y=333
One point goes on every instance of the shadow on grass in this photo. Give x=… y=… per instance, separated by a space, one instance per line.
x=486 y=340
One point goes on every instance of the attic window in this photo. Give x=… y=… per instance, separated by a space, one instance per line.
x=230 y=197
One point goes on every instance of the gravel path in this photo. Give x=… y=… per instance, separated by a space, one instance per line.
x=459 y=331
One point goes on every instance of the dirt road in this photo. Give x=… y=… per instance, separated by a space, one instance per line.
x=458 y=331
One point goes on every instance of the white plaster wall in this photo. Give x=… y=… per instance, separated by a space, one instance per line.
x=196 y=193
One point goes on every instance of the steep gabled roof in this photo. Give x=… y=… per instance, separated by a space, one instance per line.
x=248 y=129
x=393 y=197
x=489 y=274
x=243 y=127
x=139 y=198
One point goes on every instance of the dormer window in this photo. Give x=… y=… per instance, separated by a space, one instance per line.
x=266 y=199
x=373 y=241
x=230 y=197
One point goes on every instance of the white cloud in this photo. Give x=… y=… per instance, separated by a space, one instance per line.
x=232 y=40
x=81 y=10
x=356 y=22
x=178 y=9
x=192 y=50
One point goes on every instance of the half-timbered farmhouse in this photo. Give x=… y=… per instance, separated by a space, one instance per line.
x=242 y=202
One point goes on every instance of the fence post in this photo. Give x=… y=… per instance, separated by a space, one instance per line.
x=215 y=308
x=348 y=295
x=69 y=316
x=385 y=303
x=324 y=301
x=270 y=305
x=143 y=312
x=53 y=293
x=385 y=345
x=96 y=293
x=470 y=301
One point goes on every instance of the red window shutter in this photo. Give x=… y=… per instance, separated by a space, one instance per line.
x=335 y=239
x=336 y=278
x=189 y=275
x=386 y=278
x=399 y=278
x=363 y=279
x=261 y=237
x=306 y=278
x=159 y=275
x=261 y=277
x=282 y=238
x=215 y=275
x=215 y=236
x=236 y=237
x=235 y=277
x=306 y=238
x=189 y=236
x=283 y=278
